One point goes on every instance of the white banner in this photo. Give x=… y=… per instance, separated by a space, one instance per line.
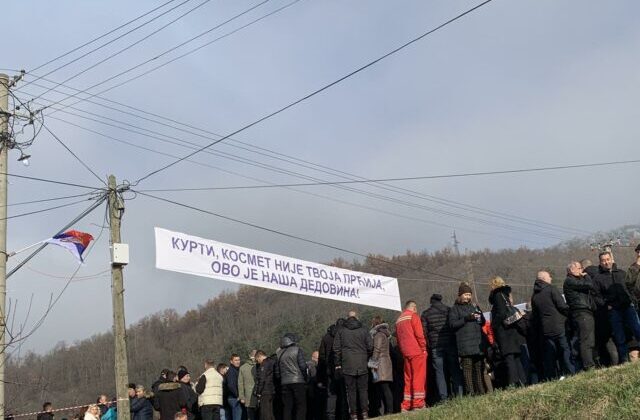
x=203 y=257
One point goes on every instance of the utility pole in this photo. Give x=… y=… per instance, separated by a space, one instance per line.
x=5 y=144
x=456 y=243
x=116 y=210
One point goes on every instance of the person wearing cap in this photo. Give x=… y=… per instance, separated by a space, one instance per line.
x=466 y=320
x=507 y=337
x=632 y=278
x=190 y=396
x=291 y=370
x=442 y=348
x=413 y=347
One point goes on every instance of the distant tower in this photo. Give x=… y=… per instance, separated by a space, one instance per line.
x=456 y=243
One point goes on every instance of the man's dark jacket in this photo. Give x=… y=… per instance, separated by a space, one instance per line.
x=435 y=323
x=169 y=399
x=353 y=346
x=326 y=356
x=549 y=309
x=141 y=408
x=579 y=293
x=265 y=384
x=611 y=288
x=232 y=381
x=191 y=400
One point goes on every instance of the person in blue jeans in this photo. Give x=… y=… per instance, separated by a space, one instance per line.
x=442 y=349
x=550 y=312
x=613 y=294
x=235 y=408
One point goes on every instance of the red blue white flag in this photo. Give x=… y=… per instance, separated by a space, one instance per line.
x=76 y=242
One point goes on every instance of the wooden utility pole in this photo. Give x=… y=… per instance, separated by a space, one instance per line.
x=5 y=144
x=116 y=210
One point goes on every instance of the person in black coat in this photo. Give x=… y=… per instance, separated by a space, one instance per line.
x=184 y=378
x=265 y=388
x=579 y=293
x=353 y=346
x=442 y=348
x=336 y=406
x=466 y=319
x=170 y=398
x=612 y=293
x=550 y=310
x=508 y=338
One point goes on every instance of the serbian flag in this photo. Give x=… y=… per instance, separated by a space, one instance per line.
x=76 y=242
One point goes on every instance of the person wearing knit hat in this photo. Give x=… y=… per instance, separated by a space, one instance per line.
x=466 y=320
x=184 y=379
x=464 y=288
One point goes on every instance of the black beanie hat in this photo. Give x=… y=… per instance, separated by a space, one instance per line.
x=182 y=373
x=464 y=288
x=436 y=297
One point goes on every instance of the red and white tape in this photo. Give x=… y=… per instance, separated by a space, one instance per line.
x=35 y=413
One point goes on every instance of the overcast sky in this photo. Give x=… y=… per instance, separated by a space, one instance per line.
x=516 y=84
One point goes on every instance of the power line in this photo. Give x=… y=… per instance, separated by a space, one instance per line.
x=296 y=174
x=295 y=161
x=75 y=220
x=299 y=238
x=131 y=45
x=51 y=181
x=317 y=91
x=99 y=37
x=44 y=210
x=44 y=200
x=399 y=179
x=155 y=57
x=73 y=154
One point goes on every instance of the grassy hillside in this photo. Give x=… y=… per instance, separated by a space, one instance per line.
x=603 y=394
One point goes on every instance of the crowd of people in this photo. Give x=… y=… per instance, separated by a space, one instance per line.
x=361 y=371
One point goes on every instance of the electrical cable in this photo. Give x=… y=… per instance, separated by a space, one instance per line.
x=400 y=179
x=44 y=200
x=73 y=154
x=31 y=178
x=128 y=47
x=315 y=92
x=15 y=216
x=299 y=238
x=301 y=162
x=166 y=63
x=351 y=189
x=98 y=38
x=82 y=215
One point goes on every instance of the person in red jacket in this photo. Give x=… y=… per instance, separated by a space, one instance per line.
x=413 y=347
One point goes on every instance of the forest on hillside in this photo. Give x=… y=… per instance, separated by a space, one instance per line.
x=77 y=373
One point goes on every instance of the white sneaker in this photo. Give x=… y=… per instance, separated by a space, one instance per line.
x=561 y=378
